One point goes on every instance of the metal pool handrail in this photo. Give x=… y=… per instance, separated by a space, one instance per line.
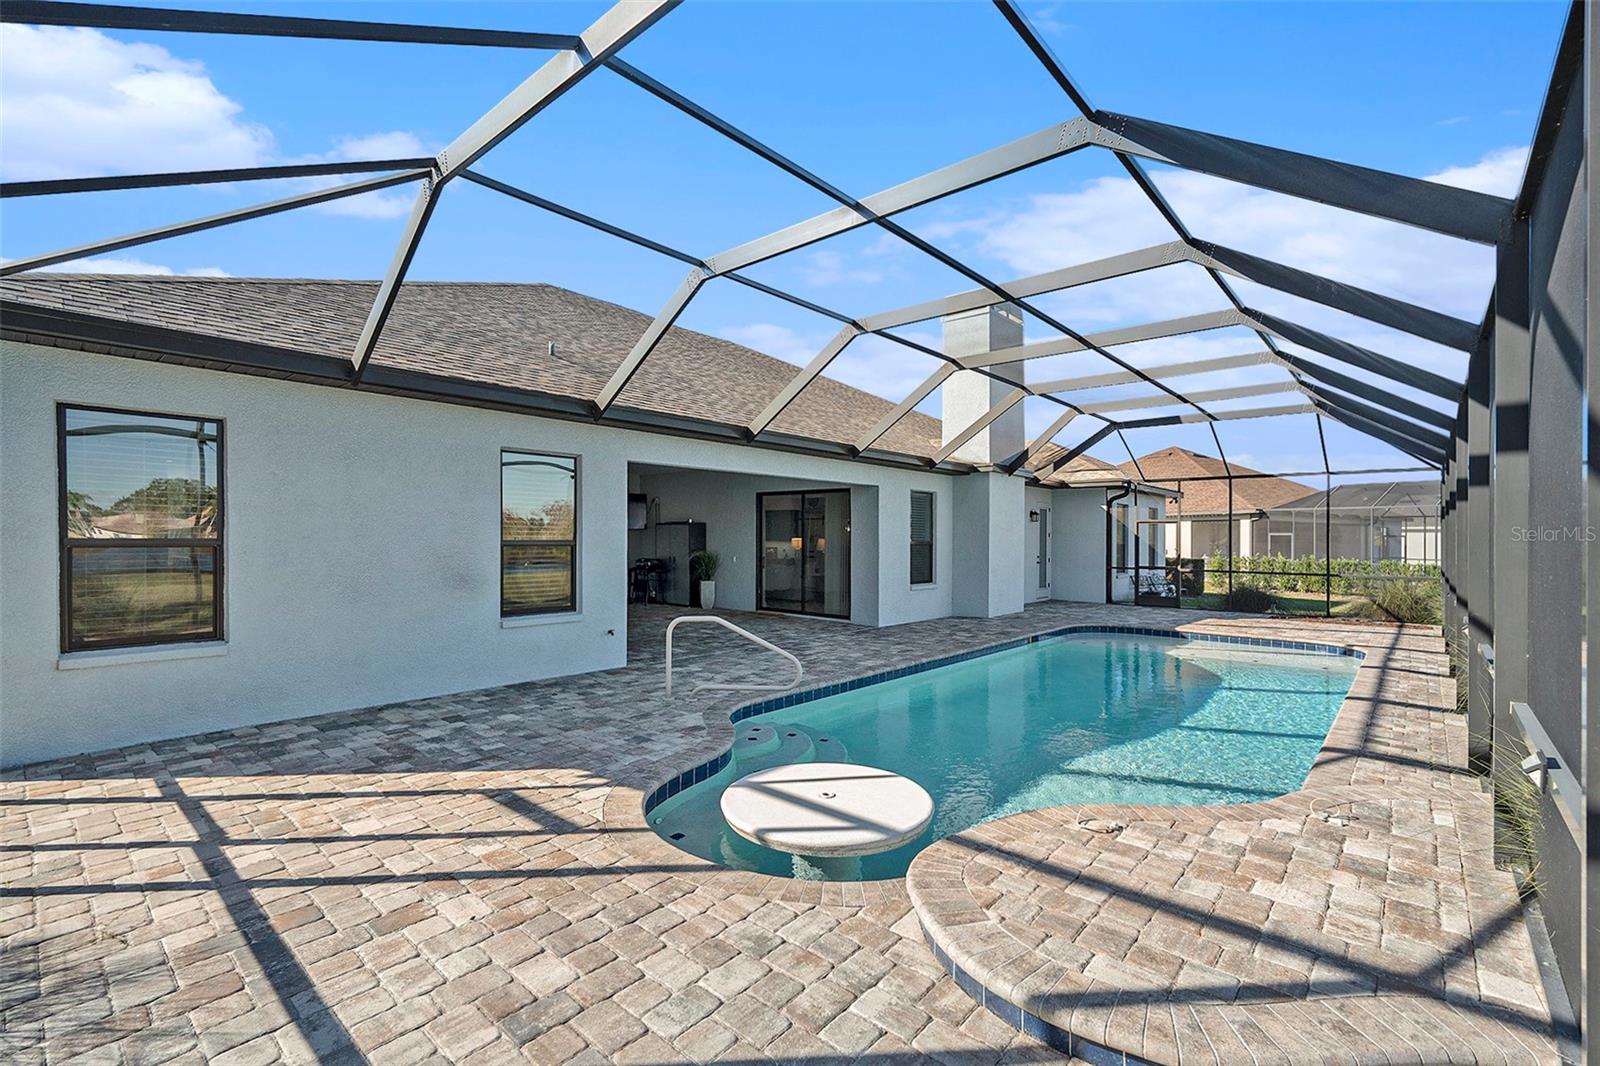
x=746 y=634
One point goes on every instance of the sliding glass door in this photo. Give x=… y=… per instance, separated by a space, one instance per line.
x=804 y=548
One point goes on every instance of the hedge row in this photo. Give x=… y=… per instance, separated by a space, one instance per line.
x=1305 y=575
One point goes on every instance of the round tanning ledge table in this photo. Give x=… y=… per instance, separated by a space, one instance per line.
x=827 y=809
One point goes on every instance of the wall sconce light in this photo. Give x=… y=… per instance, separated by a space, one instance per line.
x=822 y=544
x=1033 y=516
x=796 y=543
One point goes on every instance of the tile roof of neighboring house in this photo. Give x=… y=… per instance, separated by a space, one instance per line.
x=1171 y=465
x=488 y=333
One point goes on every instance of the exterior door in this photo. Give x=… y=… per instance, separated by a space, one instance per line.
x=1042 y=560
x=804 y=552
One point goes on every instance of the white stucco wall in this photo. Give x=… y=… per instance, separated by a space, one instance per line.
x=1034 y=499
x=989 y=518
x=1080 y=548
x=361 y=552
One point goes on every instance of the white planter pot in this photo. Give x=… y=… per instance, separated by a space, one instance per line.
x=708 y=595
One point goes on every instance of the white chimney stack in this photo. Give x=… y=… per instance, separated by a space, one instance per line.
x=968 y=395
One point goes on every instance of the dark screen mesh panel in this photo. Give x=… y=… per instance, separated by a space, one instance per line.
x=1556 y=516
x=1556 y=534
x=921 y=538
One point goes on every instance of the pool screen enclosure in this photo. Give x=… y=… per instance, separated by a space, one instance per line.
x=1512 y=437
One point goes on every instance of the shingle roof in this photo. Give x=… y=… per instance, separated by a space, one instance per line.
x=1171 y=465
x=488 y=332
x=1080 y=470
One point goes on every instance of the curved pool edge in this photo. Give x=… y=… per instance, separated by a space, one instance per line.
x=633 y=806
x=1382 y=751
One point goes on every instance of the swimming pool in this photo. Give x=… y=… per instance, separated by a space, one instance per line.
x=1080 y=718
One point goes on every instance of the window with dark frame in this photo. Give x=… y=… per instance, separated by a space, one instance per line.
x=538 y=533
x=922 y=538
x=141 y=506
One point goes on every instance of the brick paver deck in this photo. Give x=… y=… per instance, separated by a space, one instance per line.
x=1358 y=920
x=470 y=879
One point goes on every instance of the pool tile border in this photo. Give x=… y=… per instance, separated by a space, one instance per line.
x=1025 y=1021
x=710 y=767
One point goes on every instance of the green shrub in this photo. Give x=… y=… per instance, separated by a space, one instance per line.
x=1306 y=575
x=1408 y=601
x=1250 y=599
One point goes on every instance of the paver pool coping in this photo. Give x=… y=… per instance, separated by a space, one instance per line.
x=1348 y=739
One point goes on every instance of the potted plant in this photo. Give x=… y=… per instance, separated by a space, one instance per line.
x=703 y=569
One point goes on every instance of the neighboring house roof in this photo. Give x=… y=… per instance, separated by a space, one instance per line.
x=1169 y=466
x=1400 y=498
x=1082 y=471
x=488 y=333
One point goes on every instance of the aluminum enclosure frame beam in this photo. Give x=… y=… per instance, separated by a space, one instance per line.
x=1383 y=418
x=197 y=225
x=610 y=33
x=33 y=324
x=674 y=253
x=795 y=170
x=957 y=442
x=653 y=333
x=1416 y=320
x=1344 y=351
x=1304 y=368
x=1035 y=43
x=156 y=19
x=1052 y=142
x=1026 y=455
x=1046 y=57
x=1416 y=449
x=1456 y=212
x=1168 y=420
x=55 y=186
x=607 y=36
x=1167 y=370
x=1234 y=392
x=1447 y=209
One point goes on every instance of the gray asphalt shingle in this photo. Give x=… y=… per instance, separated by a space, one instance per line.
x=488 y=332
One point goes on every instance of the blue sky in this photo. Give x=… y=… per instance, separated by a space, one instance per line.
x=867 y=95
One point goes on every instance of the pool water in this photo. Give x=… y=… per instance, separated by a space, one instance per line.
x=1097 y=718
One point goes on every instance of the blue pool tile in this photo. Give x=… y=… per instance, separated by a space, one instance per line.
x=1097 y=1054
x=1003 y=1009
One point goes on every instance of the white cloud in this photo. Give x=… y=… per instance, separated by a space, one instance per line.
x=1109 y=215
x=114 y=264
x=396 y=144
x=779 y=341
x=77 y=103
x=386 y=203
x=1499 y=172
x=74 y=102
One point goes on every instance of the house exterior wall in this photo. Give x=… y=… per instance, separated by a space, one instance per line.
x=1036 y=498
x=361 y=552
x=989 y=522
x=1080 y=545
